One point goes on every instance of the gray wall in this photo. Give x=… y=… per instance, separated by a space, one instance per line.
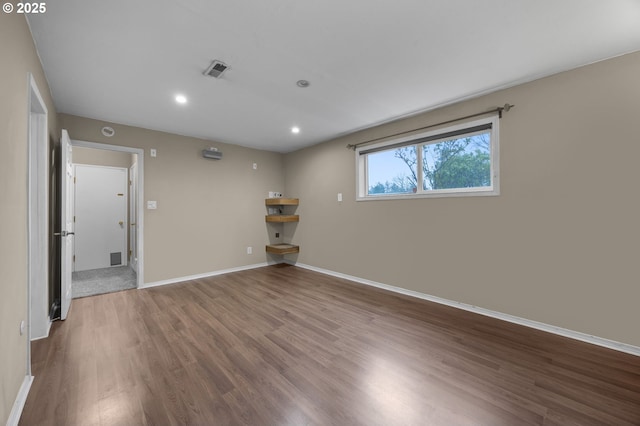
x=559 y=245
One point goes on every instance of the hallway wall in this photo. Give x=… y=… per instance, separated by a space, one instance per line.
x=19 y=57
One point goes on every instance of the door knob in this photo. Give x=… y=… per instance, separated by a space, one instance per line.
x=121 y=223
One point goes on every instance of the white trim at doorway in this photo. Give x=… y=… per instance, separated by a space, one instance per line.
x=37 y=321
x=140 y=194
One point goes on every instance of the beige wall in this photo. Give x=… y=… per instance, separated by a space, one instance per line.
x=208 y=212
x=102 y=157
x=560 y=244
x=18 y=57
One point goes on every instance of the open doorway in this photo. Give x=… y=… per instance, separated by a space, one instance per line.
x=108 y=223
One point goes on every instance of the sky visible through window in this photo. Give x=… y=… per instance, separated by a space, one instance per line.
x=384 y=167
x=466 y=157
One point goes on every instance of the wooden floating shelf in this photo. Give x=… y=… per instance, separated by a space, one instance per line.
x=282 y=248
x=281 y=201
x=281 y=218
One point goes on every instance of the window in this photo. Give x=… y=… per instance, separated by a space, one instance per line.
x=460 y=160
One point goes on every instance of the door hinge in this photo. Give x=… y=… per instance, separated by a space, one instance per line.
x=74 y=219
x=74 y=179
x=129 y=253
x=74 y=257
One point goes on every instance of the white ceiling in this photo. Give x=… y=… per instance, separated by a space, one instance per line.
x=368 y=61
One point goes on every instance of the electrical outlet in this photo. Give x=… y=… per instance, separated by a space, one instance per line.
x=255 y=166
x=249 y=250
x=153 y=152
x=340 y=196
x=277 y=235
x=22 y=327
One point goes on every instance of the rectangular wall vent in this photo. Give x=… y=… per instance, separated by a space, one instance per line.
x=116 y=258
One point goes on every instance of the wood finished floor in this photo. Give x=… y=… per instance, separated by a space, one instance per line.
x=282 y=345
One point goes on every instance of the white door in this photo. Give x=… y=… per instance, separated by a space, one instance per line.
x=66 y=225
x=133 y=214
x=100 y=217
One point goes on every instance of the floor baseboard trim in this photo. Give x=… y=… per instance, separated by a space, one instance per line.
x=205 y=275
x=576 y=335
x=21 y=398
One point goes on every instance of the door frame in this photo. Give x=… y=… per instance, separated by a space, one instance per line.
x=133 y=213
x=38 y=321
x=139 y=195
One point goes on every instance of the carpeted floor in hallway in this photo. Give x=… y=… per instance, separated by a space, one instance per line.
x=100 y=281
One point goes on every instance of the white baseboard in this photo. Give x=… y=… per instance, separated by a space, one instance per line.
x=205 y=275
x=611 y=344
x=21 y=398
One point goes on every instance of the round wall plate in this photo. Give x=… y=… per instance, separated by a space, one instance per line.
x=108 y=131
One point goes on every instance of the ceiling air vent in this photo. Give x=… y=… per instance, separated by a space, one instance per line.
x=216 y=69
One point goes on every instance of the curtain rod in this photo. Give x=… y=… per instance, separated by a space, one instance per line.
x=498 y=110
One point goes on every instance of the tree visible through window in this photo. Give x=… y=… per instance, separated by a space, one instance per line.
x=393 y=174
x=429 y=163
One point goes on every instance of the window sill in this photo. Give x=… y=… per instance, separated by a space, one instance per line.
x=434 y=194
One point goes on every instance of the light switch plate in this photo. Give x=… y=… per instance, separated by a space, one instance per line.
x=152 y=205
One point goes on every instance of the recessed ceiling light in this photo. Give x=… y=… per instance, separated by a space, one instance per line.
x=181 y=99
x=295 y=129
x=303 y=83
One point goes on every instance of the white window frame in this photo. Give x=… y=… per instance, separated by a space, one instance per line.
x=492 y=190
